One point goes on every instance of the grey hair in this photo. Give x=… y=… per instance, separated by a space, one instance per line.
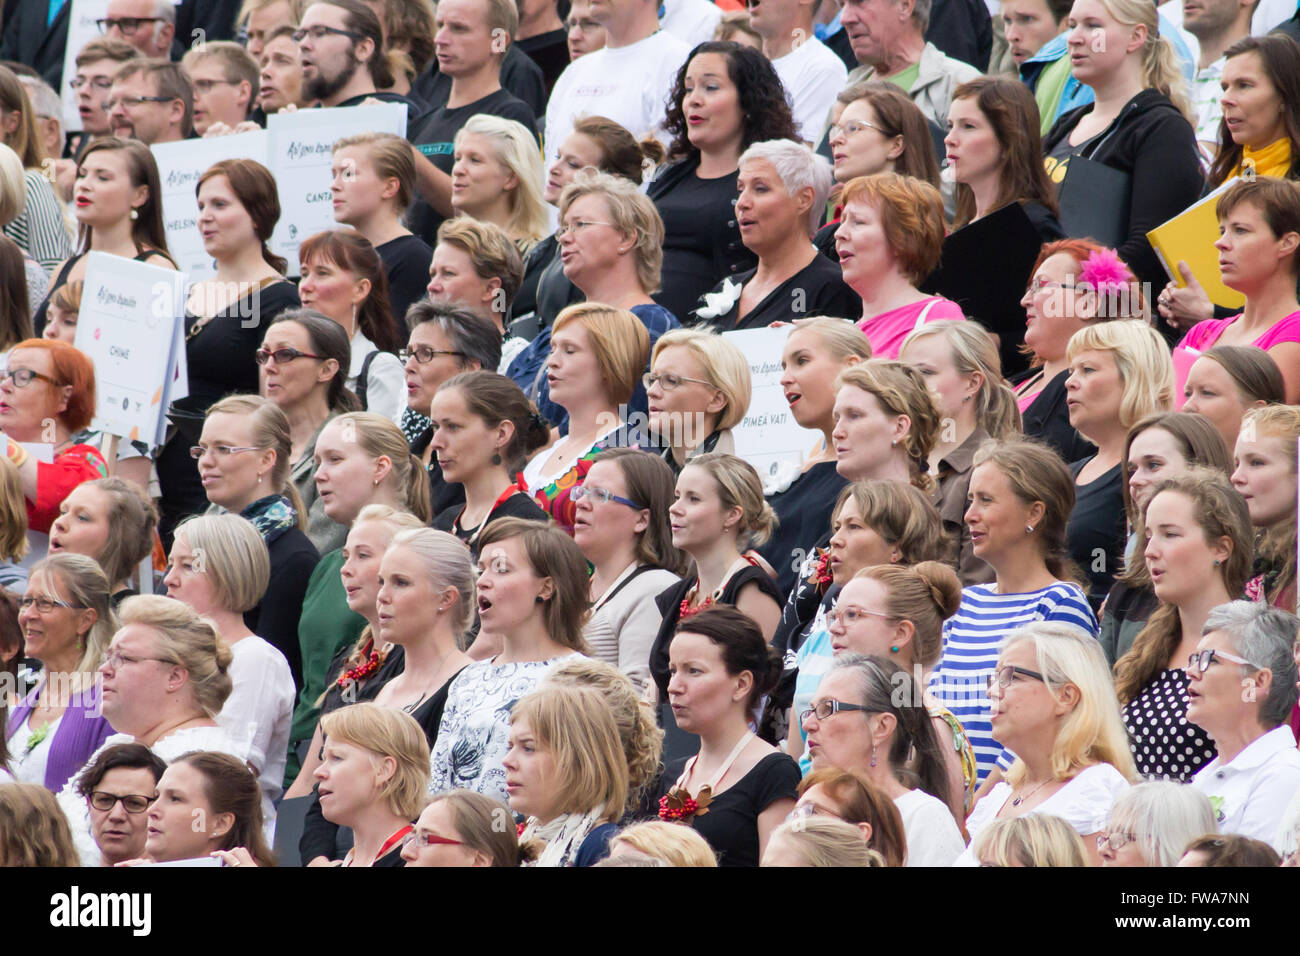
x=165 y=10
x=799 y=168
x=921 y=14
x=45 y=102
x=447 y=564
x=470 y=334
x=1163 y=817
x=1264 y=636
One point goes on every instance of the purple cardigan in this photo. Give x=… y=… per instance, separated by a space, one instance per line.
x=80 y=733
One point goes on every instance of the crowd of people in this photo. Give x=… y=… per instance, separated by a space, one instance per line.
x=455 y=551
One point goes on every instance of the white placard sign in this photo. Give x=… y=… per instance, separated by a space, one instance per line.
x=131 y=326
x=769 y=435
x=179 y=167
x=301 y=153
x=82 y=28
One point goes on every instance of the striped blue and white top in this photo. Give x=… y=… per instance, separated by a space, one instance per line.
x=971 y=639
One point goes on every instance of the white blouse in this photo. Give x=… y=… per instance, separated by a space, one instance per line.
x=258 y=712
x=1250 y=793
x=931 y=830
x=385 y=381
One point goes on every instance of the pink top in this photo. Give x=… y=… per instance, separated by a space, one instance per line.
x=887 y=330
x=1203 y=335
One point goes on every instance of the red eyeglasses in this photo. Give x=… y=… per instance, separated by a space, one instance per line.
x=428 y=839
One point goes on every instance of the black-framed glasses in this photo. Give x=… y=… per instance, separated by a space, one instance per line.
x=826 y=708
x=22 y=377
x=205 y=86
x=1201 y=660
x=1117 y=840
x=103 y=801
x=853 y=127
x=282 y=356
x=423 y=355
x=126 y=25
x=668 y=381
x=320 y=32
x=45 y=604
x=1005 y=674
x=98 y=83
x=603 y=495
x=134 y=101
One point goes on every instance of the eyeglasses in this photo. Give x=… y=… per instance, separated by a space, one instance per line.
x=848 y=616
x=22 y=377
x=1117 y=841
x=669 y=382
x=115 y=659
x=603 y=495
x=826 y=708
x=205 y=86
x=126 y=25
x=219 y=452
x=321 y=32
x=46 y=605
x=428 y=839
x=1202 y=660
x=133 y=101
x=802 y=811
x=1005 y=674
x=579 y=226
x=98 y=83
x=103 y=801
x=282 y=357
x=853 y=127
x=424 y=355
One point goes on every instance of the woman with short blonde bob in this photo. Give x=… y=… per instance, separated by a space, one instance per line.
x=1120 y=372
x=1040 y=839
x=462 y=828
x=960 y=362
x=1054 y=707
x=565 y=772
x=372 y=778
x=675 y=845
x=819 y=841
x=879 y=401
x=698 y=389
x=1152 y=823
x=509 y=193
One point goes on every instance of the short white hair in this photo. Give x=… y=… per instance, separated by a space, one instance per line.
x=45 y=102
x=799 y=168
x=1162 y=817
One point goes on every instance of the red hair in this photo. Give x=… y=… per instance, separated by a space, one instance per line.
x=71 y=367
x=1077 y=249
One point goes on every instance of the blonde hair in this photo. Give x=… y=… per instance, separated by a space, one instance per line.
x=725 y=368
x=1142 y=358
x=637 y=728
x=842 y=338
x=823 y=841
x=13 y=185
x=575 y=724
x=385 y=732
x=483 y=824
x=1277 y=544
x=491 y=253
x=134 y=519
x=902 y=515
x=926 y=594
x=673 y=843
x=391 y=157
x=33 y=828
x=13 y=513
x=1160 y=69
x=900 y=390
x=447 y=564
x=269 y=427
x=740 y=487
x=516 y=149
x=1034 y=839
x=380 y=438
x=188 y=641
x=233 y=555
x=1162 y=817
x=630 y=211
x=1093 y=732
x=79 y=581
x=619 y=340
x=973 y=350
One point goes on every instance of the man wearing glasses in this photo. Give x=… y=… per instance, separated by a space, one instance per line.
x=152 y=101
x=225 y=80
x=148 y=25
x=97 y=63
x=118 y=787
x=341 y=44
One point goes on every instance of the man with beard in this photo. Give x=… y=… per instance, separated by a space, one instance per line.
x=341 y=45
x=152 y=101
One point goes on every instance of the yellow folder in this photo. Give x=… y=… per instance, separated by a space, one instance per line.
x=1189 y=237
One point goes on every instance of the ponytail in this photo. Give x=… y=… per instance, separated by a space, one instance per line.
x=1160 y=72
x=419 y=492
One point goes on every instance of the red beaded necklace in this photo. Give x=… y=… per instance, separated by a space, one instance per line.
x=371 y=659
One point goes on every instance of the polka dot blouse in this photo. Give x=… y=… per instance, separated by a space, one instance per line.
x=1165 y=746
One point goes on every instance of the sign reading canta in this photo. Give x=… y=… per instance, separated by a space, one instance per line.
x=131 y=326
x=301 y=153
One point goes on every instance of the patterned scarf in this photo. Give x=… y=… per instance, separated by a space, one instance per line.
x=272 y=516
x=413 y=425
x=563 y=836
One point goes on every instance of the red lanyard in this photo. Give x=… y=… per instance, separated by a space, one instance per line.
x=518 y=486
x=393 y=840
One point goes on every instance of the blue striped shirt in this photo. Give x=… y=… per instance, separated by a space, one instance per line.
x=971 y=640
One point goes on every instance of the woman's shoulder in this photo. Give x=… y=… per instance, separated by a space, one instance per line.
x=751 y=574
x=1205 y=333
x=1085 y=801
x=774 y=776
x=1284 y=330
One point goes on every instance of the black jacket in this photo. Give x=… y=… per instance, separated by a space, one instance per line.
x=29 y=39
x=1152 y=142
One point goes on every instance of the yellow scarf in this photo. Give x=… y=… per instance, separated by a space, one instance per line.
x=1273 y=160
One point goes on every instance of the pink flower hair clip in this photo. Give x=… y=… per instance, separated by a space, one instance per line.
x=1104 y=272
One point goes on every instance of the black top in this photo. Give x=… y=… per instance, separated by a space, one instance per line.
x=963 y=30
x=731 y=825
x=825 y=240
x=275 y=619
x=406 y=261
x=434 y=136
x=1095 y=534
x=31 y=38
x=545 y=291
x=670 y=607
x=816 y=289
x=520 y=77
x=550 y=51
x=701 y=239
x=416 y=106
x=1048 y=419
x=518 y=505
x=804 y=510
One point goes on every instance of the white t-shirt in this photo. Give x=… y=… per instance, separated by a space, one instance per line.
x=258 y=712
x=1250 y=793
x=628 y=84
x=691 y=21
x=812 y=76
x=385 y=381
x=29 y=765
x=932 y=835
x=1084 y=803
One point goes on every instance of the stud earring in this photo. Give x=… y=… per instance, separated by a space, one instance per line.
x=893 y=649
x=1217 y=562
x=135 y=214
x=1029 y=529
x=539 y=600
x=259 y=479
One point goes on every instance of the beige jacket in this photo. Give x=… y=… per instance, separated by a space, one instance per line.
x=938 y=77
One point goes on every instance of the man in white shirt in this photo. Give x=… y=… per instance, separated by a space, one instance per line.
x=1217 y=25
x=691 y=21
x=811 y=74
x=628 y=81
